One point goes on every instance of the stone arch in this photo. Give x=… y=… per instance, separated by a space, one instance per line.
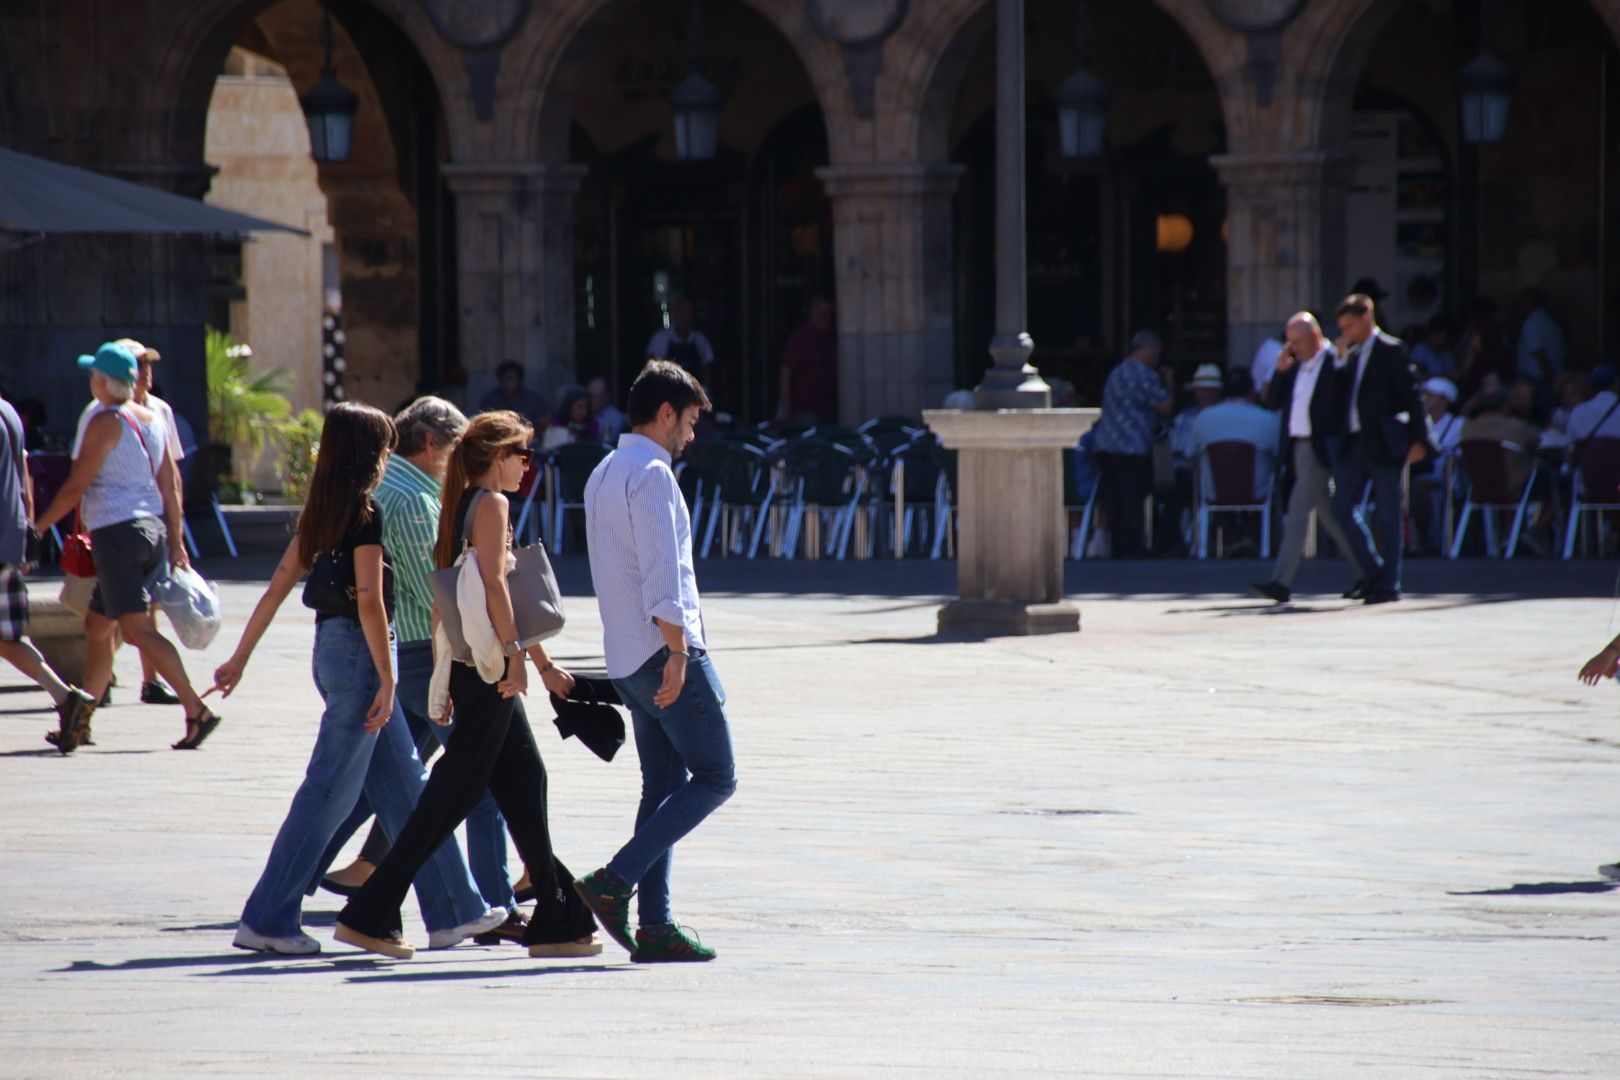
x=172 y=110
x=931 y=51
x=542 y=65
x=1327 y=50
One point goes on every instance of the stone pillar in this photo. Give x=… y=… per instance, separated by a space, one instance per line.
x=1285 y=252
x=515 y=269
x=895 y=288
x=1011 y=537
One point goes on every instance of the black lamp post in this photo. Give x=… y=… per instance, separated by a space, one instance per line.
x=329 y=108
x=697 y=103
x=1082 y=103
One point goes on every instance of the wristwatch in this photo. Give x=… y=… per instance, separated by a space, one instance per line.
x=512 y=648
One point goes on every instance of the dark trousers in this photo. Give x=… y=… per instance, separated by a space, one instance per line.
x=1127 y=480
x=491 y=749
x=1380 y=545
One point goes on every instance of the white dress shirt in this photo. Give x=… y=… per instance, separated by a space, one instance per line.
x=1299 y=407
x=640 y=538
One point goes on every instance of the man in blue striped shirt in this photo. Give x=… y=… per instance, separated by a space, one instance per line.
x=640 y=538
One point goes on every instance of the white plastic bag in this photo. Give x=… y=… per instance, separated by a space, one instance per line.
x=192 y=605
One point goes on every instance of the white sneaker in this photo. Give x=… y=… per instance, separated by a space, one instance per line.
x=1610 y=871
x=489 y=920
x=300 y=944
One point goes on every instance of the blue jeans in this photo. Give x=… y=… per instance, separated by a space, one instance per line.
x=347 y=761
x=1378 y=547
x=687 y=771
x=486 y=829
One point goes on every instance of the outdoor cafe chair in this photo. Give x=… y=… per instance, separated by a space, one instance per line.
x=1595 y=488
x=570 y=466
x=825 y=481
x=1230 y=490
x=740 y=485
x=1485 y=465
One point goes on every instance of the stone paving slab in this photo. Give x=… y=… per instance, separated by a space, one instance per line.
x=1204 y=838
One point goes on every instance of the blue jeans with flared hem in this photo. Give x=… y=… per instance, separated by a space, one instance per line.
x=486 y=828
x=346 y=762
x=687 y=771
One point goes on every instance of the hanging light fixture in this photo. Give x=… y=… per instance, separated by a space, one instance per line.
x=329 y=107
x=1082 y=103
x=696 y=103
x=1485 y=87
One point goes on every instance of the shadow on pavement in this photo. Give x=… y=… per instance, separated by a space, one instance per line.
x=234 y=958
x=1546 y=888
x=217 y=927
x=486 y=973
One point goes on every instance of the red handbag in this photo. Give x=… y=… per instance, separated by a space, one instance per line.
x=76 y=558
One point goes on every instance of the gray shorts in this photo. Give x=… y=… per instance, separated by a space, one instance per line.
x=131 y=557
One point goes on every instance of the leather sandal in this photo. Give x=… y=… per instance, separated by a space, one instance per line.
x=204 y=724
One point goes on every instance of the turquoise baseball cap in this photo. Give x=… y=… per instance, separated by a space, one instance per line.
x=113 y=361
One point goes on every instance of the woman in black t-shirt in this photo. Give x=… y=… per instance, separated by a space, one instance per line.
x=357 y=750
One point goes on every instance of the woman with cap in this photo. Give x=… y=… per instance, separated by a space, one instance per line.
x=128 y=485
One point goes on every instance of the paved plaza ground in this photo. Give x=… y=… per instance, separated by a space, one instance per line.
x=1203 y=838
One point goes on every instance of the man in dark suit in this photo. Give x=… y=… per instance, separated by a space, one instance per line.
x=1387 y=432
x=1306 y=391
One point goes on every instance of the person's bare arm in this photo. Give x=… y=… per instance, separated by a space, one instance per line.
x=489 y=541
x=100 y=436
x=368 y=597
x=1602 y=665
x=168 y=481
x=286 y=575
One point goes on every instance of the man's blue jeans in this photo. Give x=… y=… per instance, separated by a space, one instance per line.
x=486 y=829
x=347 y=761
x=687 y=771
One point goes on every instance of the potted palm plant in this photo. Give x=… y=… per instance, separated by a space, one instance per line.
x=248 y=415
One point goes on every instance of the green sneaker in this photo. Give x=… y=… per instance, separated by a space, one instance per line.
x=676 y=945
x=610 y=904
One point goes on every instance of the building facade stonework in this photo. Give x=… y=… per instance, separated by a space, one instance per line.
x=502 y=199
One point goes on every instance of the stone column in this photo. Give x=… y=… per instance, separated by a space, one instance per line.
x=1285 y=252
x=1011 y=537
x=515 y=269
x=895 y=289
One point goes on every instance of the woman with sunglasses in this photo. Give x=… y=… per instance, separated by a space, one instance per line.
x=492 y=748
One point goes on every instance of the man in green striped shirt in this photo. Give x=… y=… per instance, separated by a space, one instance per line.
x=409 y=496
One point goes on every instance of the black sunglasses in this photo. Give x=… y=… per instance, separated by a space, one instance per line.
x=527 y=455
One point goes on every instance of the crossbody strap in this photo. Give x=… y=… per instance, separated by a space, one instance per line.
x=1599 y=426
x=142 y=438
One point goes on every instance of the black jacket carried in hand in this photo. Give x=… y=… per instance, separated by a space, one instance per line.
x=1329 y=418
x=1391 y=413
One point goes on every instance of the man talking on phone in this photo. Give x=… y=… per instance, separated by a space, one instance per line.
x=1306 y=391
x=1387 y=432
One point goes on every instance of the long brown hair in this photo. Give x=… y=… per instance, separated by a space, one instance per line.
x=488 y=437
x=348 y=467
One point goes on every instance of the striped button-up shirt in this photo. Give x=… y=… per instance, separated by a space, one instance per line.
x=640 y=537
x=410 y=504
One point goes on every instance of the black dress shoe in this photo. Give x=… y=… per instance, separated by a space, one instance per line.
x=1360 y=590
x=1272 y=590
x=1389 y=596
x=155 y=693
